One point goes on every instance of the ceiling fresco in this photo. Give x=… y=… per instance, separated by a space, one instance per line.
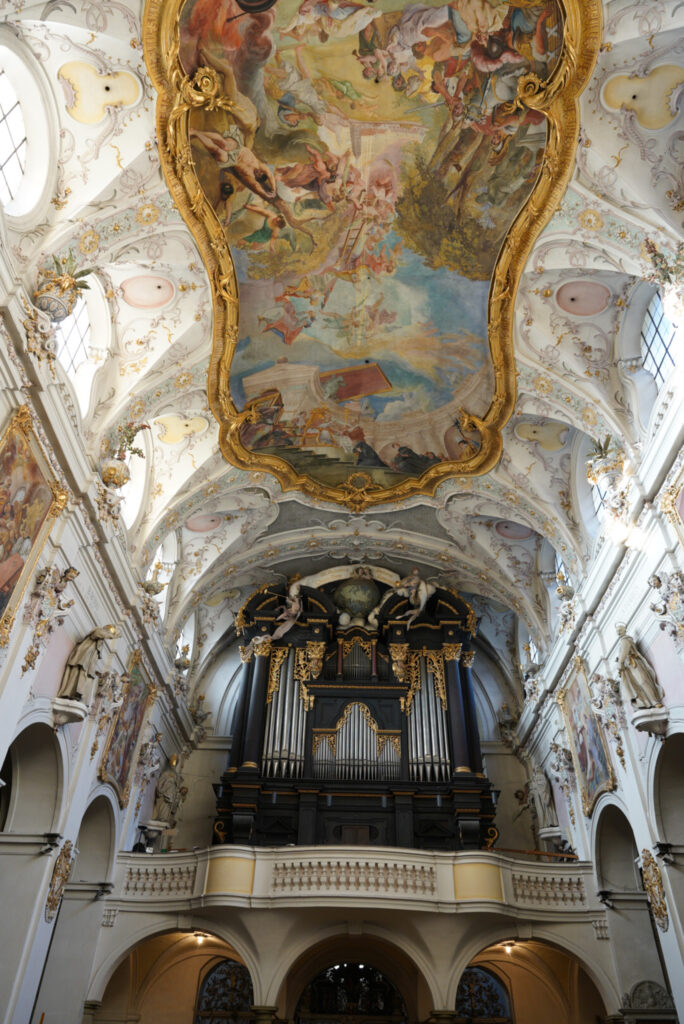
x=227 y=530
x=365 y=164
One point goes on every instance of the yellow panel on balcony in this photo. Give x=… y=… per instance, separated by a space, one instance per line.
x=477 y=882
x=230 y=874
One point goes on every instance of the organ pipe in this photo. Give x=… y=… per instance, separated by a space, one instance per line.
x=427 y=731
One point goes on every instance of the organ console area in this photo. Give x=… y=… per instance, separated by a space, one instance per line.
x=355 y=721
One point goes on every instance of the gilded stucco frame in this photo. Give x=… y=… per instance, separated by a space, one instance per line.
x=669 y=503
x=579 y=674
x=124 y=793
x=21 y=424
x=557 y=98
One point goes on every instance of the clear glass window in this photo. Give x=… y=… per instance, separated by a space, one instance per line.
x=657 y=337
x=12 y=141
x=73 y=338
x=598 y=496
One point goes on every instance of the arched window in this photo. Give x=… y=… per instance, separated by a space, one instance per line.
x=225 y=995
x=598 y=496
x=73 y=337
x=12 y=141
x=482 y=997
x=28 y=131
x=657 y=342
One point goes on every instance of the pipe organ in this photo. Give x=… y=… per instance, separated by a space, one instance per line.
x=355 y=721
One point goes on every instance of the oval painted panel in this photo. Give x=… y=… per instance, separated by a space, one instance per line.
x=147 y=291
x=366 y=164
x=513 y=531
x=583 y=298
x=203 y=523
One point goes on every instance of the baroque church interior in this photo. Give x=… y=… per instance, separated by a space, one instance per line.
x=341 y=511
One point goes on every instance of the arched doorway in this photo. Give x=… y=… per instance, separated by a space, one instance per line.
x=77 y=924
x=32 y=773
x=350 y=993
x=32 y=782
x=632 y=930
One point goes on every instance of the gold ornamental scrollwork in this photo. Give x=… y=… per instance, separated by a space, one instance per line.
x=315 y=651
x=262 y=646
x=653 y=884
x=60 y=877
x=180 y=95
x=399 y=656
x=357 y=641
x=329 y=737
x=434 y=662
x=412 y=678
x=452 y=652
x=278 y=656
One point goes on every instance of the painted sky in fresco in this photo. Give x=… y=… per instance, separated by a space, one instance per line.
x=366 y=177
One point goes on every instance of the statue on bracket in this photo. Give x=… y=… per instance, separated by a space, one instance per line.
x=639 y=681
x=169 y=794
x=542 y=796
x=79 y=679
x=640 y=686
x=78 y=672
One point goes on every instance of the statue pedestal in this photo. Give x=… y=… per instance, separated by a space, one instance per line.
x=551 y=832
x=156 y=826
x=65 y=711
x=651 y=720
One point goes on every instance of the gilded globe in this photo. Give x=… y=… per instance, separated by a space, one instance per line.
x=358 y=597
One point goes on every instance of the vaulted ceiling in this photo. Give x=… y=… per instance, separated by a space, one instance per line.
x=580 y=301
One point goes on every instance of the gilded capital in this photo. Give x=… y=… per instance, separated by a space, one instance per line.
x=452 y=652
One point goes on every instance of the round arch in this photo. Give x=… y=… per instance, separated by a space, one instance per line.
x=96 y=842
x=35 y=771
x=241 y=947
x=184 y=957
x=667 y=791
x=615 y=850
x=402 y=969
x=506 y=931
x=543 y=982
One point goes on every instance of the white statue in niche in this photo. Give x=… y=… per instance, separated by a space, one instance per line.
x=639 y=681
x=542 y=795
x=79 y=676
x=169 y=793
